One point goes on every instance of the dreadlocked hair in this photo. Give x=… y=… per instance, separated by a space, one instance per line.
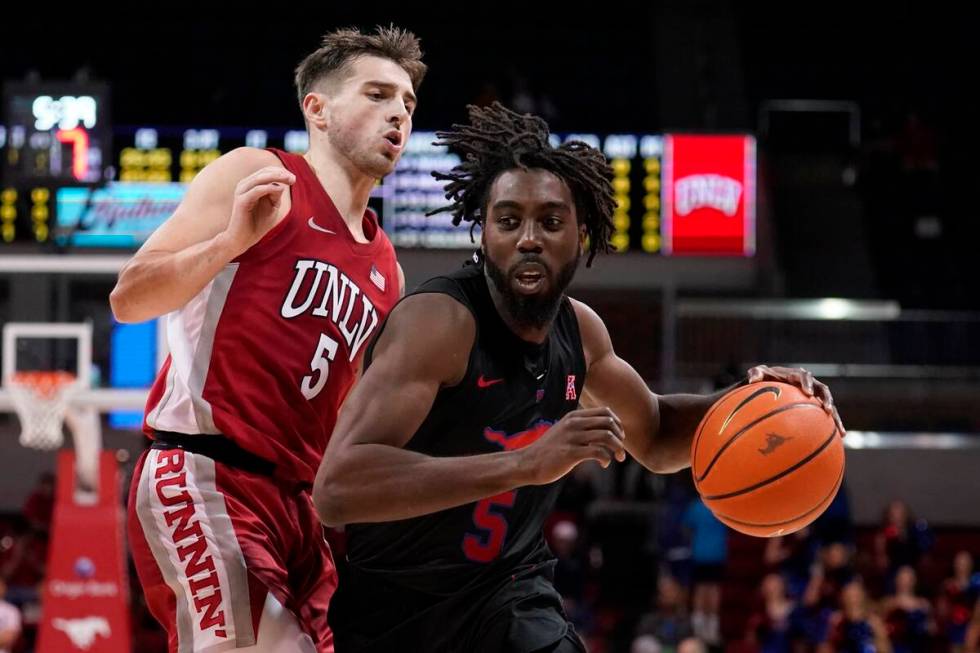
x=498 y=139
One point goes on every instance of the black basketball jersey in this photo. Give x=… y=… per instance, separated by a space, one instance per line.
x=512 y=392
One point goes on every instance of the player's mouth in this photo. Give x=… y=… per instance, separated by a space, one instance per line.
x=393 y=141
x=530 y=278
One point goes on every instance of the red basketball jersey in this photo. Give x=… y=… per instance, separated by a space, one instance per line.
x=266 y=353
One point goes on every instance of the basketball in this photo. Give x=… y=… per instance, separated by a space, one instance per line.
x=767 y=459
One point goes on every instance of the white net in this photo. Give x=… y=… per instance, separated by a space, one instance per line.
x=41 y=400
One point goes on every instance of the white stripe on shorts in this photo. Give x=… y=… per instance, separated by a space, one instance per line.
x=186 y=524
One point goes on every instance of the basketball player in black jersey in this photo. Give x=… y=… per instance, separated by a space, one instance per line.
x=485 y=388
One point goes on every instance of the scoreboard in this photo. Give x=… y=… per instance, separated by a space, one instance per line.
x=56 y=133
x=675 y=194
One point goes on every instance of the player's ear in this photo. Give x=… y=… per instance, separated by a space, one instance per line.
x=315 y=106
x=583 y=238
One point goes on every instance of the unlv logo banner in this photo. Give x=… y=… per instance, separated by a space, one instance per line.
x=85 y=603
x=709 y=195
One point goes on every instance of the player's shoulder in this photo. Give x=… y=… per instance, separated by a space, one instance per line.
x=585 y=313
x=430 y=332
x=246 y=160
x=433 y=314
x=595 y=336
x=233 y=166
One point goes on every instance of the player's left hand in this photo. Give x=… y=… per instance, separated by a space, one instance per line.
x=802 y=379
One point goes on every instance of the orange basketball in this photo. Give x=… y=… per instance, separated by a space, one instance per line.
x=766 y=459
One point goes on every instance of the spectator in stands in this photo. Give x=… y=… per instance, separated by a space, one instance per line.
x=855 y=627
x=25 y=566
x=691 y=645
x=793 y=556
x=671 y=540
x=577 y=492
x=9 y=622
x=771 y=629
x=570 y=570
x=908 y=616
x=822 y=596
x=901 y=539
x=39 y=505
x=958 y=600
x=972 y=640
x=669 y=622
x=646 y=644
x=709 y=550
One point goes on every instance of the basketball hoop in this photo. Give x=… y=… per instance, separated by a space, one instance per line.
x=41 y=400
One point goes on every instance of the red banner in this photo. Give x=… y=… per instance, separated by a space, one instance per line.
x=709 y=195
x=84 y=605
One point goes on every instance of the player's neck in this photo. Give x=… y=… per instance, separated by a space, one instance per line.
x=348 y=188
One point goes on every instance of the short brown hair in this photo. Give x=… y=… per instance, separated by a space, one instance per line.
x=341 y=47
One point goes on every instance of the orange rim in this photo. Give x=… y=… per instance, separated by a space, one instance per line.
x=45 y=383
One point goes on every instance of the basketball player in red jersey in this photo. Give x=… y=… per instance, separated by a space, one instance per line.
x=273 y=275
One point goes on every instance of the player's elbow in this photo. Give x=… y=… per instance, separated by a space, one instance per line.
x=135 y=297
x=121 y=306
x=124 y=309
x=328 y=497
x=660 y=460
x=329 y=512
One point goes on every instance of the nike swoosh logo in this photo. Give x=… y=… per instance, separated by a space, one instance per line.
x=486 y=383
x=758 y=393
x=314 y=225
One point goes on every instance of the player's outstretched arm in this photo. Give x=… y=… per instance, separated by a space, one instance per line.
x=229 y=206
x=367 y=474
x=659 y=428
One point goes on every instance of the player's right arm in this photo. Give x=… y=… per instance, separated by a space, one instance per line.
x=228 y=207
x=368 y=476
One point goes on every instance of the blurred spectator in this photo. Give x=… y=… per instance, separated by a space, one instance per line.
x=709 y=550
x=10 y=623
x=830 y=575
x=855 y=628
x=671 y=540
x=570 y=569
x=958 y=600
x=646 y=644
x=691 y=645
x=770 y=630
x=39 y=505
x=577 y=493
x=822 y=596
x=908 y=616
x=793 y=555
x=669 y=622
x=972 y=642
x=25 y=565
x=901 y=540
